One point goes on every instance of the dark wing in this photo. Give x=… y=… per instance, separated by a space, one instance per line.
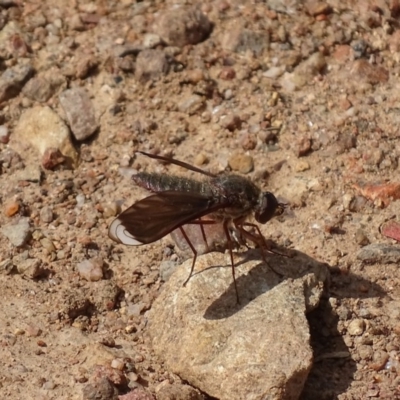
x=155 y=216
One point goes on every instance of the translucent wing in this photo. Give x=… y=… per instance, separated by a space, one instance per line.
x=155 y=216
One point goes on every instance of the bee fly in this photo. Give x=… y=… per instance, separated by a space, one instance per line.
x=226 y=198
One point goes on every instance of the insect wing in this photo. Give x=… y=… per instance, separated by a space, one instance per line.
x=155 y=216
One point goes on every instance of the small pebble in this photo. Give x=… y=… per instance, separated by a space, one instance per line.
x=200 y=159
x=11 y=208
x=50 y=385
x=4 y=134
x=274 y=72
x=379 y=360
x=60 y=255
x=391 y=229
x=48 y=245
x=205 y=117
x=191 y=104
x=194 y=76
x=151 y=64
x=227 y=73
x=17 y=233
x=151 y=40
x=31 y=268
x=130 y=329
x=79 y=111
x=102 y=388
x=132 y=377
x=379 y=253
x=356 y=327
x=136 y=309
x=302 y=147
x=46 y=214
x=110 y=210
x=138 y=358
x=91 y=270
x=108 y=341
x=347 y=200
x=41 y=128
x=84 y=240
x=363 y=70
x=6 y=266
x=167 y=267
x=12 y=78
x=183 y=25
x=361 y=238
x=70 y=218
x=242 y=163
x=117 y=363
x=229 y=94
x=52 y=157
x=230 y=122
x=9 y=339
x=133 y=386
x=33 y=331
x=301 y=166
x=247 y=141
x=37 y=235
x=343 y=313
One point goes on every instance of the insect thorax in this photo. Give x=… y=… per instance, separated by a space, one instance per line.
x=239 y=193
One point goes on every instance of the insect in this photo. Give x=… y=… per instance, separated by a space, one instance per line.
x=177 y=201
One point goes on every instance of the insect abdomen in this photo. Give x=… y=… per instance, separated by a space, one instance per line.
x=161 y=183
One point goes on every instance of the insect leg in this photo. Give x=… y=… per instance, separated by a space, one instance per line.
x=194 y=254
x=203 y=232
x=228 y=236
x=184 y=234
x=262 y=239
x=258 y=239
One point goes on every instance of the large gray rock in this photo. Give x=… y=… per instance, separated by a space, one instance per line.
x=259 y=349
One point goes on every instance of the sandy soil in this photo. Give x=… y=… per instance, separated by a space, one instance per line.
x=300 y=97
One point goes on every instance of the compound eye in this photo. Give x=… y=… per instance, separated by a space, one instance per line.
x=267 y=207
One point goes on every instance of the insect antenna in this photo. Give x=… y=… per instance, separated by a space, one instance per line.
x=179 y=163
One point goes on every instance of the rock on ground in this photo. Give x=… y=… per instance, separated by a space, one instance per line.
x=79 y=112
x=42 y=128
x=257 y=349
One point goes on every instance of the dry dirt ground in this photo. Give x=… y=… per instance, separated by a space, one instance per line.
x=301 y=97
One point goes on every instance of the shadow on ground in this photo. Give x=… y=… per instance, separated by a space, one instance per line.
x=333 y=369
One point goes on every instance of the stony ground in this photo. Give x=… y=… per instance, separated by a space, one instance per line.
x=301 y=97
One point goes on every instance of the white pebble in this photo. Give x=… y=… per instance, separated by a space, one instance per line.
x=91 y=270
